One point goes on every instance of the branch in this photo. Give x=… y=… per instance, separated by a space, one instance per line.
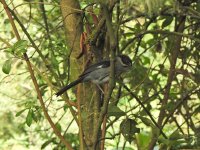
x=163 y=32
x=42 y=57
x=176 y=33
x=111 y=77
x=44 y=16
x=180 y=102
x=147 y=112
x=175 y=49
x=28 y=36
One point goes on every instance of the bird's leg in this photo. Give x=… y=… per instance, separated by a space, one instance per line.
x=100 y=88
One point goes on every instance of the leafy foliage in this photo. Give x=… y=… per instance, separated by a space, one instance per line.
x=161 y=37
x=128 y=129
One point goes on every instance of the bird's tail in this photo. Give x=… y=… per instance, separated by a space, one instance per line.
x=65 y=88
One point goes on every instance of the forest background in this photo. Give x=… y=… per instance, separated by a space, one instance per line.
x=46 y=44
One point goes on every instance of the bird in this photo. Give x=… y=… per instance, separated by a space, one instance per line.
x=99 y=73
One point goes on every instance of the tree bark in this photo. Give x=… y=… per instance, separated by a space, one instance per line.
x=87 y=97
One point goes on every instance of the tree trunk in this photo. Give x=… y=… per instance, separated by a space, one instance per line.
x=88 y=100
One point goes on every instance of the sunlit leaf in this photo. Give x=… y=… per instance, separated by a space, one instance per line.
x=6 y=67
x=129 y=34
x=20 y=112
x=143 y=140
x=19 y=47
x=146 y=60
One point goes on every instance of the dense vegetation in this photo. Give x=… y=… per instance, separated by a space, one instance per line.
x=47 y=44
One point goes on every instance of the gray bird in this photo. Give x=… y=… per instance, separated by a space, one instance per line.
x=99 y=73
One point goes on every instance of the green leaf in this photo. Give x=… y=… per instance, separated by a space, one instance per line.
x=58 y=126
x=45 y=144
x=146 y=60
x=175 y=135
x=197 y=110
x=167 y=21
x=37 y=113
x=54 y=61
x=115 y=111
x=147 y=121
x=128 y=129
x=9 y=50
x=35 y=118
x=19 y=47
x=175 y=139
x=6 y=66
x=196 y=76
x=198 y=6
x=20 y=112
x=143 y=140
x=29 y=117
x=129 y=34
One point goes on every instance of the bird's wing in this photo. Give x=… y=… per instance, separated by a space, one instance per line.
x=102 y=64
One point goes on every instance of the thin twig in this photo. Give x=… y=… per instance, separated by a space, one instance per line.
x=145 y=109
